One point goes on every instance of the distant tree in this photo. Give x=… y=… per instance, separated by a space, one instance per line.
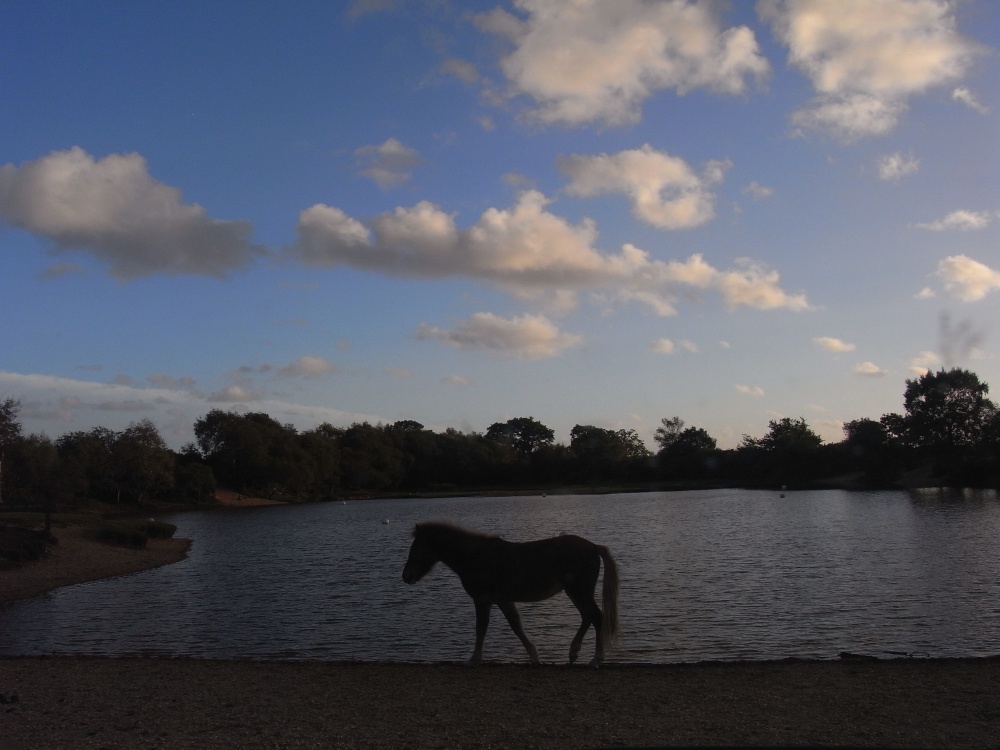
x=526 y=434
x=608 y=454
x=790 y=434
x=865 y=434
x=787 y=454
x=668 y=432
x=947 y=409
x=142 y=461
x=10 y=430
x=87 y=465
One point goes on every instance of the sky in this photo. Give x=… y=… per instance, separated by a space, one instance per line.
x=583 y=211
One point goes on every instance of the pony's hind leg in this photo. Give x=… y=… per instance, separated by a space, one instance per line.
x=574 y=647
x=511 y=613
x=590 y=614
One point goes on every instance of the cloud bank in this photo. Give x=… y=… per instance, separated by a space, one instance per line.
x=866 y=59
x=521 y=337
x=112 y=209
x=665 y=192
x=588 y=61
x=524 y=249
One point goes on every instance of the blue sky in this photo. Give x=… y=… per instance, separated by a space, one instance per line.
x=587 y=212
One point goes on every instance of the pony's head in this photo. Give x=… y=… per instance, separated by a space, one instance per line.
x=422 y=555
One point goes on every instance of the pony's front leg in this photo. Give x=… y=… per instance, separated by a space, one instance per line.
x=511 y=613
x=482 y=623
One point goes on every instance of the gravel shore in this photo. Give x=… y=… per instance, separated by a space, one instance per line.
x=74 y=702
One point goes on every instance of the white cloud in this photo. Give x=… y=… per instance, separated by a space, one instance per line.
x=389 y=163
x=925 y=293
x=307 y=366
x=112 y=209
x=689 y=346
x=967 y=279
x=662 y=346
x=869 y=369
x=961 y=219
x=665 y=191
x=749 y=390
x=758 y=191
x=587 y=61
x=524 y=249
x=461 y=69
x=55 y=405
x=235 y=394
x=159 y=380
x=459 y=380
x=520 y=337
x=833 y=344
x=865 y=59
x=922 y=363
x=896 y=166
x=966 y=97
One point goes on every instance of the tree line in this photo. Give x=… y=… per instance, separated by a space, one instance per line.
x=948 y=435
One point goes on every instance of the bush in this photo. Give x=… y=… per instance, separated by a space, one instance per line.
x=19 y=544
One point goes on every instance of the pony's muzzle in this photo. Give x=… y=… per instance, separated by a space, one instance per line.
x=408 y=577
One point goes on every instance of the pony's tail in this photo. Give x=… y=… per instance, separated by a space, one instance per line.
x=609 y=593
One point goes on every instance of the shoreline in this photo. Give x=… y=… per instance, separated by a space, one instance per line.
x=78 y=558
x=93 y=702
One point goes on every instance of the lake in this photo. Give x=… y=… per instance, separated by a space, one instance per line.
x=707 y=575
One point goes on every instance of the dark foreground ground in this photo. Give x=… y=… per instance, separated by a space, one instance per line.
x=74 y=702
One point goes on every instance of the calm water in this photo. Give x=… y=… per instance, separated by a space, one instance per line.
x=729 y=574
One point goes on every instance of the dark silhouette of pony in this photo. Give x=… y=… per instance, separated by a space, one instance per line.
x=495 y=571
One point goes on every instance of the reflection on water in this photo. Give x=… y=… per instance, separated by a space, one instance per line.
x=729 y=574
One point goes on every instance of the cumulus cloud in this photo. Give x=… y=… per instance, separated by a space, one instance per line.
x=307 y=366
x=967 y=279
x=869 y=369
x=922 y=363
x=749 y=390
x=866 y=59
x=524 y=249
x=662 y=346
x=758 y=191
x=665 y=191
x=895 y=166
x=593 y=61
x=961 y=219
x=520 y=337
x=966 y=97
x=833 y=344
x=388 y=164
x=112 y=209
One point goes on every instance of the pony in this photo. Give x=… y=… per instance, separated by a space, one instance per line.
x=494 y=571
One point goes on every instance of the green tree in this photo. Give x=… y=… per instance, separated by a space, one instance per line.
x=668 y=432
x=526 y=434
x=10 y=430
x=142 y=461
x=947 y=409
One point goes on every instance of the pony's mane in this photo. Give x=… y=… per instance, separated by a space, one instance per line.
x=437 y=528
